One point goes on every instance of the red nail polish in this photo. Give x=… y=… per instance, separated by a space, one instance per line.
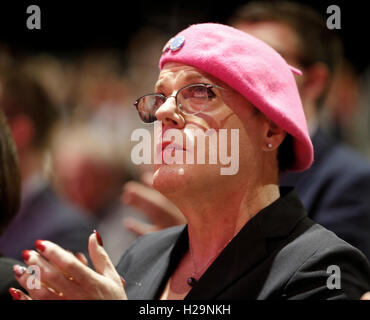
x=15 y=293
x=98 y=237
x=123 y=281
x=39 y=244
x=26 y=254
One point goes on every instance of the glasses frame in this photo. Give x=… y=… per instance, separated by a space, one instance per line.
x=178 y=106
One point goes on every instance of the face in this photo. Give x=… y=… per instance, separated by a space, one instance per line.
x=85 y=181
x=226 y=109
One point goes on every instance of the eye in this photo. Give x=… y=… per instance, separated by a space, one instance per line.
x=198 y=92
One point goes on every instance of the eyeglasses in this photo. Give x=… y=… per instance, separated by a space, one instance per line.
x=190 y=100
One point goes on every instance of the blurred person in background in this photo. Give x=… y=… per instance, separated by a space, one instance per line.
x=143 y=53
x=10 y=194
x=100 y=99
x=335 y=189
x=89 y=171
x=32 y=117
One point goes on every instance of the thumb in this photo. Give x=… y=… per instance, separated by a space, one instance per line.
x=366 y=296
x=100 y=259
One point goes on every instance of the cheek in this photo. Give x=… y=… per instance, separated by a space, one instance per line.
x=249 y=141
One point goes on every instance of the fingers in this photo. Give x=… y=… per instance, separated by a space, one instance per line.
x=18 y=294
x=138 y=227
x=29 y=279
x=366 y=296
x=66 y=262
x=141 y=197
x=58 y=274
x=153 y=204
x=100 y=259
x=81 y=257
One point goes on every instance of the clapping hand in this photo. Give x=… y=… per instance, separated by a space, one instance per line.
x=63 y=275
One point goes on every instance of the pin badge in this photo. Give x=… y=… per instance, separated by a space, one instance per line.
x=167 y=46
x=177 y=43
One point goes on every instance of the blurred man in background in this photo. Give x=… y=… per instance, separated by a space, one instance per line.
x=89 y=171
x=335 y=189
x=43 y=215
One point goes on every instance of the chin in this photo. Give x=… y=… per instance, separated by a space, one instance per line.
x=169 y=178
x=184 y=179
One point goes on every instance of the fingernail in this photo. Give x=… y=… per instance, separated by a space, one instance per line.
x=40 y=245
x=123 y=281
x=15 y=293
x=78 y=255
x=98 y=237
x=26 y=254
x=18 y=270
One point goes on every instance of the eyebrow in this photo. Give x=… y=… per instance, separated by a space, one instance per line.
x=189 y=77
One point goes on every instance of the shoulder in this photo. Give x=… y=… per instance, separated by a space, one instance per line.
x=318 y=241
x=343 y=174
x=320 y=254
x=345 y=162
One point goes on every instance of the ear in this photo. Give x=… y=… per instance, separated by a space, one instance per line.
x=23 y=131
x=273 y=136
x=316 y=81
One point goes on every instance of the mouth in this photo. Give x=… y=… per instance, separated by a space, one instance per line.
x=172 y=146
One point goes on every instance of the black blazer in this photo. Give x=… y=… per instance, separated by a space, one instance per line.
x=336 y=191
x=278 y=254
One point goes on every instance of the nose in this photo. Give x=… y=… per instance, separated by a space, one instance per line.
x=169 y=114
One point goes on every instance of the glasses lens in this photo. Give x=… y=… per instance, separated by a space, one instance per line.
x=148 y=105
x=193 y=99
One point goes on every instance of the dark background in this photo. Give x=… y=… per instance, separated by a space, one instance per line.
x=71 y=26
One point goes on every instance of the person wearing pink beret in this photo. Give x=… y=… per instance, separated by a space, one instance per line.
x=245 y=237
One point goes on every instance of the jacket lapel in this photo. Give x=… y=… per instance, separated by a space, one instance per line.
x=242 y=253
x=152 y=284
x=249 y=247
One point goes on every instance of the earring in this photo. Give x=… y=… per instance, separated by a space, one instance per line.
x=269 y=145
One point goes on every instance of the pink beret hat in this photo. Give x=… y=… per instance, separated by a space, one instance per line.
x=251 y=67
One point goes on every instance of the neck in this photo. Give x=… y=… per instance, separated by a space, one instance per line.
x=212 y=224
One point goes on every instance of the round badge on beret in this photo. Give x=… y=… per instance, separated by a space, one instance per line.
x=177 y=43
x=167 y=46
